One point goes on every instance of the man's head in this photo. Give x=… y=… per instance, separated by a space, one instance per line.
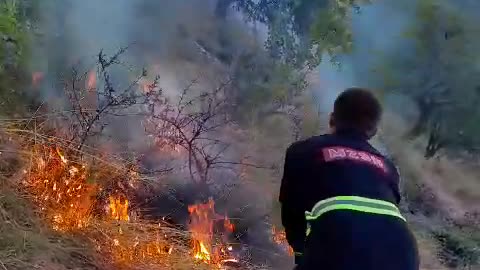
x=358 y=110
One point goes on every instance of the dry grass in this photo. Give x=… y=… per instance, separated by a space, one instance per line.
x=442 y=193
x=459 y=180
x=28 y=240
x=428 y=253
x=441 y=185
x=25 y=243
x=442 y=188
x=140 y=245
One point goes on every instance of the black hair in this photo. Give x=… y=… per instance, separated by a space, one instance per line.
x=357 y=109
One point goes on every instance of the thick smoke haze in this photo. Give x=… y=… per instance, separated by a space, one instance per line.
x=108 y=25
x=378 y=32
x=170 y=38
x=162 y=36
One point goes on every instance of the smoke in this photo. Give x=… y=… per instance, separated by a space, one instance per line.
x=155 y=31
x=160 y=35
x=95 y=25
x=170 y=37
x=178 y=40
x=378 y=32
x=110 y=24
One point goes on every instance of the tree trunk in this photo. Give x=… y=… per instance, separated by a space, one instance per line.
x=425 y=107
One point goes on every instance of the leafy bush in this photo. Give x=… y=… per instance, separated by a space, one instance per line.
x=13 y=38
x=13 y=54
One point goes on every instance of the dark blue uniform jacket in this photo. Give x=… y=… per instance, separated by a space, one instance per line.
x=321 y=167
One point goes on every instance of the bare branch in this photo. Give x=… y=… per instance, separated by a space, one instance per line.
x=192 y=123
x=92 y=118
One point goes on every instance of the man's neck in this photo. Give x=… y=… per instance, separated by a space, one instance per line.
x=351 y=133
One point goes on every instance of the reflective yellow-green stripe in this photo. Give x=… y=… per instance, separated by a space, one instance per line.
x=355 y=208
x=353 y=198
x=354 y=203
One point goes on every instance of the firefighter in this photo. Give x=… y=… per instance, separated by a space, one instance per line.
x=340 y=196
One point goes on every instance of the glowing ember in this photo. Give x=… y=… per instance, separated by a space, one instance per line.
x=91 y=81
x=36 y=78
x=228 y=225
x=280 y=238
x=118 y=208
x=147 y=85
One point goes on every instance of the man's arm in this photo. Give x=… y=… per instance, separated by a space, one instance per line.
x=395 y=184
x=293 y=215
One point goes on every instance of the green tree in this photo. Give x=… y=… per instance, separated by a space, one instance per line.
x=14 y=41
x=441 y=74
x=268 y=80
x=300 y=31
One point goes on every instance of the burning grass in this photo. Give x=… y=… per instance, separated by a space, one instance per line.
x=141 y=245
x=60 y=188
x=25 y=243
x=89 y=195
x=90 y=200
x=280 y=238
x=205 y=247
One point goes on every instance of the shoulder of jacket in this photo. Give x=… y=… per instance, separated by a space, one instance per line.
x=382 y=152
x=308 y=142
x=379 y=151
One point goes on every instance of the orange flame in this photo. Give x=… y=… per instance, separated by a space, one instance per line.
x=146 y=85
x=205 y=247
x=279 y=237
x=118 y=208
x=228 y=225
x=201 y=226
x=66 y=196
x=60 y=190
x=62 y=157
x=91 y=81
x=201 y=251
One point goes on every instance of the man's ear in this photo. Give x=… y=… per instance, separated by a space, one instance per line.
x=331 y=122
x=372 y=132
